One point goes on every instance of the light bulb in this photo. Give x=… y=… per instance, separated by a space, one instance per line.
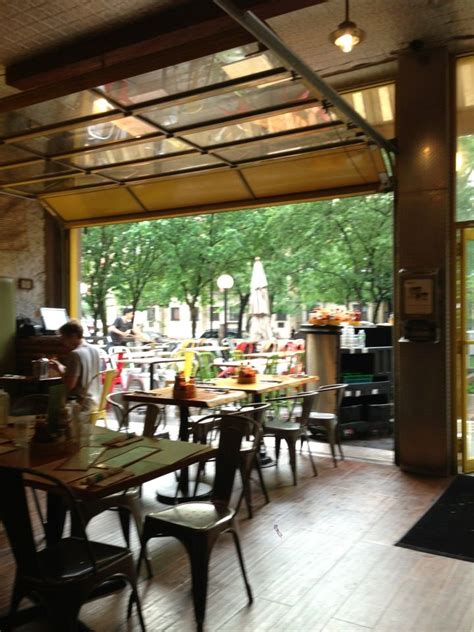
x=346 y=42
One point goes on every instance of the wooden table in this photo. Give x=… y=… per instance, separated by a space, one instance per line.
x=154 y=458
x=160 y=457
x=212 y=397
x=264 y=384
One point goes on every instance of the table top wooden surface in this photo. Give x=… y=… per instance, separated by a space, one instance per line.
x=264 y=383
x=270 y=354
x=140 y=459
x=149 y=360
x=205 y=397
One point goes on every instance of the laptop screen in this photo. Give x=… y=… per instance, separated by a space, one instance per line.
x=53 y=317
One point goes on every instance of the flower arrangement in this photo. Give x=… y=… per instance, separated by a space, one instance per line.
x=322 y=317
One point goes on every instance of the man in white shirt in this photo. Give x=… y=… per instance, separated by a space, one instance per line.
x=80 y=371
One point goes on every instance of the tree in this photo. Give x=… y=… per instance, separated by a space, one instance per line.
x=142 y=260
x=99 y=246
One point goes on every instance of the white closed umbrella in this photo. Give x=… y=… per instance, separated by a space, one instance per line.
x=259 y=303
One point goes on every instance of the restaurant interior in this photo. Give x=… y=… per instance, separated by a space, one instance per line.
x=148 y=110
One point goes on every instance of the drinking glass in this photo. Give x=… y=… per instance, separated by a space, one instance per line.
x=21 y=426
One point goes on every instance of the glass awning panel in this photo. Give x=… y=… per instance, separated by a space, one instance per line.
x=207 y=131
x=235 y=63
x=230 y=104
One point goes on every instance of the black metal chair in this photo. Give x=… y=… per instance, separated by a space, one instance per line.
x=62 y=576
x=154 y=414
x=127 y=504
x=198 y=524
x=205 y=431
x=327 y=423
x=293 y=427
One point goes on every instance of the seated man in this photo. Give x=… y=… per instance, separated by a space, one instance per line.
x=122 y=329
x=80 y=372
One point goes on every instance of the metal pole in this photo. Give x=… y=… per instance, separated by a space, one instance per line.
x=225 y=313
x=211 y=308
x=251 y=23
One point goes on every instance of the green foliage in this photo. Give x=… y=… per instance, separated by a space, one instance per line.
x=464 y=179
x=332 y=251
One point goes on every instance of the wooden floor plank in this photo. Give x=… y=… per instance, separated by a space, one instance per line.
x=320 y=558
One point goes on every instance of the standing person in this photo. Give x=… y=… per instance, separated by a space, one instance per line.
x=122 y=328
x=80 y=371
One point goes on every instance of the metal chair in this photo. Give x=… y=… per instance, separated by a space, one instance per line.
x=328 y=422
x=198 y=524
x=154 y=414
x=205 y=432
x=64 y=575
x=108 y=377
x=292 y=428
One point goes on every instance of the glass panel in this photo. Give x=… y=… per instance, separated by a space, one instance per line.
x=279 y=145
x=228 y=104
x=263 y=126
x=59 y=110
x=100 y=134
x=8 y=176
x=159 y=167
x=465 y=146
x=61 y=184
x=376 y=105
x=135 y=151
x=9 y=153
x=468 y=309
x=197 y=73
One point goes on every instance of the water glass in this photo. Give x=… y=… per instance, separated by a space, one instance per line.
x=21 y=426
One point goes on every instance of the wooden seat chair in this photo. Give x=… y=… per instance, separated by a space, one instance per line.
x=64 y=575
x=288 y=426
x=199 y=524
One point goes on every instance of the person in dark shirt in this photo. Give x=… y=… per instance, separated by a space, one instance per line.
x=122 y=329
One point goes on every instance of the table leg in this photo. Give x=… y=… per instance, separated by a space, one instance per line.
x=182 y=492
x=152 y=372
x=265 y=460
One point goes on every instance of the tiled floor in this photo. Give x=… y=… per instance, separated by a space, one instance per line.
x=320 y=557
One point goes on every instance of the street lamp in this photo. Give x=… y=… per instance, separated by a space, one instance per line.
x=224 y=283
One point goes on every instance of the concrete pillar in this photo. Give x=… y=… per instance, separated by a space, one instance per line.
x=423 y=240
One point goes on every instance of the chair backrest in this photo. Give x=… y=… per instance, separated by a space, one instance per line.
x=205 y=365
x=107 y=381
x=307 y=399
x=256 y=411
x=30 y=405
x=271 y=367
x=15 y=512
x=233 y=428
x=117 y=403
x=330 y=396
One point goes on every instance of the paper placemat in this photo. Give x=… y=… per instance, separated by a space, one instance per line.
x=126 y=458
x=83 y=459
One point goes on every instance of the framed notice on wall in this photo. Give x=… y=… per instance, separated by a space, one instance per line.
x=419 y=305
x=418 y=296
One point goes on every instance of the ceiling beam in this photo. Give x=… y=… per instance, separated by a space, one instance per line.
x=170 y=36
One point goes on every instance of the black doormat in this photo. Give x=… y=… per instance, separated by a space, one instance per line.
x=448 y=527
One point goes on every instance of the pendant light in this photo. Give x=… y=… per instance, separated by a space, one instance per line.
x=347 y=35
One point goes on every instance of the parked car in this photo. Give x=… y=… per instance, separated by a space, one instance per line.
x=214 y=333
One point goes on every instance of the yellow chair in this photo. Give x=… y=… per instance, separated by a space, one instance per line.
x=101 y=412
